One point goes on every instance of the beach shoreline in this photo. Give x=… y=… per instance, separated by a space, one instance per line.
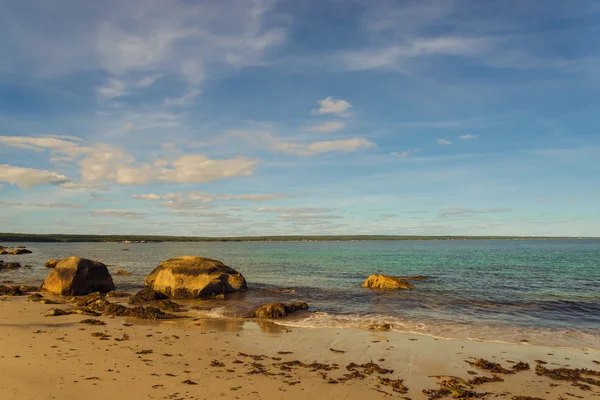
x=195 y=358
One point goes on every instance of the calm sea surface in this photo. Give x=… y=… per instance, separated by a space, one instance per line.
x=539 y=291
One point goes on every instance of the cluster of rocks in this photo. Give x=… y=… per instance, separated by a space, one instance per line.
x=16 y=251
x=9 y=265
x=178 y=278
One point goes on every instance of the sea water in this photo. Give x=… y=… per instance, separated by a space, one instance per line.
x=527 y=291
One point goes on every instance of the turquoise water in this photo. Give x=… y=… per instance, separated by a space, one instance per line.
x=542 y=291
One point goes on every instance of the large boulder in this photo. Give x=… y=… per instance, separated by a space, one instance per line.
x=78 y=276
x=278 y=310
x=190 y=276
x=379 y=281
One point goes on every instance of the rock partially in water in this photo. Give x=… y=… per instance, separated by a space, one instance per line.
x=19 y=250
x=188 y=277
x=122 y=272
x=278 y=310
x=9 y=265
x=146 y=295
x=51 y=263
x=78 y=276
x=380 y=281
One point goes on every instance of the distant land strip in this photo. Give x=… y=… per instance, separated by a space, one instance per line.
x=26 y=237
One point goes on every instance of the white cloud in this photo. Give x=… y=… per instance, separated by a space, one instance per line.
x=405 y=153
x=327 y=127
x=394 y=56
x=103 y=162
x=187 y=99
x=468 y=137
x=26 y=178
x=117 y=214
x=444 y=141
x=329 y=105
x=115 y=88
x=204 y=197
x=542 y=199
x=303 y=149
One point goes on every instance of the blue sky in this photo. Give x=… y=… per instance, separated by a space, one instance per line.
x=227 y=118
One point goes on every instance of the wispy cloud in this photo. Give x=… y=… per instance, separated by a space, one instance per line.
x=327 y=127
x=468 y=137
x=444 y=141
x=445 y=212
x=117 y=214
x=405 y=153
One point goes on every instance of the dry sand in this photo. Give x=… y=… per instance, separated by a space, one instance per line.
x=59 y=358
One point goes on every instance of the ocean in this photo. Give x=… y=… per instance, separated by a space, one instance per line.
x=544 y=292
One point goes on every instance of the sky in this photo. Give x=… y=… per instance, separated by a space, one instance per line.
x=266 y=117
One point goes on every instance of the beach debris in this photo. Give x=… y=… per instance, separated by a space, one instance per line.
x=189 y=382
x=189 y=276
x=117 y=294
x=51 y=263
x=277 y=310
x=38 y=298
x=148 y=351
x=380 y=281
x=520 y=366
x=217 y=363
x=78 y=276
x=526 y=398
x=397 y=385
x=146 y=295
x=141 y=312
x=577 y=376
x=92 y=321
x=56 y=312
x=454 y=387
x=368 y=368
x=490 y=366
x=380 y=327
x=101 y=335
x=122 y=272
x=10 y=290
x=485 y=379
x=337 y=351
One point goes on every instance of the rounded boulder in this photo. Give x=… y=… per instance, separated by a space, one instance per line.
x=189 y=277
x=78 y=276
x=380 y=281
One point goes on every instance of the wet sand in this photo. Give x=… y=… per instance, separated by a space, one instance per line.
x=198 y=358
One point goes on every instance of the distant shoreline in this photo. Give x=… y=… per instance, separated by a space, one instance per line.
x=60 y=238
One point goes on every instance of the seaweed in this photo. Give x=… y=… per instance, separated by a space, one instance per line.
x=397 y=385
x=490 y=366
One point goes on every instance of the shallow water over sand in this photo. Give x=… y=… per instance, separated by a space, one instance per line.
x=541 y=291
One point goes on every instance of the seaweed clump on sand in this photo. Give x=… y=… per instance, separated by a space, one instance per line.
x=397 y=385
x=368 y=368
x=146 y=295
x=92 y=321
x=485 y=379
x=579 y=377
x=149 y=312
x=521 y=366
x=16 y=290
x=526 y=398
x=490 y=366
x=454 y=387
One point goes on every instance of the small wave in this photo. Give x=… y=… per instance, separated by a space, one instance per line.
x=448 y=331
x=217 y=312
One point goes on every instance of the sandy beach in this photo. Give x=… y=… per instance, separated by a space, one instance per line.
x=201 y=358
